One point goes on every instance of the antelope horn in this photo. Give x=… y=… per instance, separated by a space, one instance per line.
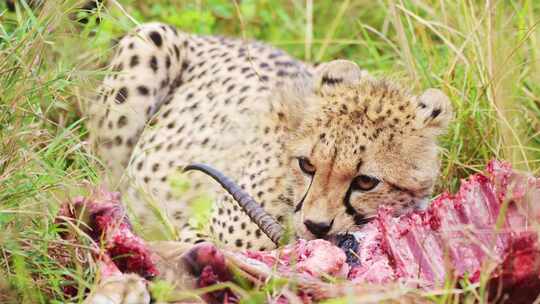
x=258 y=215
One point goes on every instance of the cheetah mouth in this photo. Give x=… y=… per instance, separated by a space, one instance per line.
x=266 y=222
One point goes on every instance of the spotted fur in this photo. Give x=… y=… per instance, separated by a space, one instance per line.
x=252 y=111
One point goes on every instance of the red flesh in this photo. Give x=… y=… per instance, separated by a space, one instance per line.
x=457 y=236
x=110 y=226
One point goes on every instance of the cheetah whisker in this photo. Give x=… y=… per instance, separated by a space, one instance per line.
x=258 y=215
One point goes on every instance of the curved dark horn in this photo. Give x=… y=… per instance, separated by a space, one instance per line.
x=258 y=215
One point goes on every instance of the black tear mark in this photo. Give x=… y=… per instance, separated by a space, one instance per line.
x=360 y=162
x=301 y=203
x=331 y=81
x=358 y=218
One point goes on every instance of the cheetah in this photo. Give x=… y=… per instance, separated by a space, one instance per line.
x=319 y=147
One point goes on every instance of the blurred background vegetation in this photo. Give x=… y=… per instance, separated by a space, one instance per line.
x=483 y=54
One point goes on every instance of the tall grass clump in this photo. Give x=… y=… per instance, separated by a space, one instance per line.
x=43 y=158
x=485 y=55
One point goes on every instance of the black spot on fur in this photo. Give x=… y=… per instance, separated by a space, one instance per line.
x=154 y=64
x=282 y=73
x=142 y=90
x=167 y=113
x=164 y=83
x=245 y=70
x=122 y=121
x=176 y=52
x=134 y=61
x=331 y=81
x=156 y=38
x=241 y=100
x=121 y=95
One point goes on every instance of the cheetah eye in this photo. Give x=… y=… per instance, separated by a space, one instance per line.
x=364 y=183
x=306 y=166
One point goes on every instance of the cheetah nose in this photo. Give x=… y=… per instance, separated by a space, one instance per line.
x=318 y=229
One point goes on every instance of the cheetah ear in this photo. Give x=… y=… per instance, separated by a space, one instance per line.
x=433 y=111
x=337 y=72
x=294 y=102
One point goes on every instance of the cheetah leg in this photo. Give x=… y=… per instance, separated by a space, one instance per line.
x=179 y=264
x=145 y=68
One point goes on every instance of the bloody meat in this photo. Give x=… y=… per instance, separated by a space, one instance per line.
x=108 y=224
x=489 y=225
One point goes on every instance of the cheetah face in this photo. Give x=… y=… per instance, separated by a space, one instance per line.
x=362 y=144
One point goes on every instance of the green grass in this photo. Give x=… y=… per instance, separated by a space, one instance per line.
x=486 y=58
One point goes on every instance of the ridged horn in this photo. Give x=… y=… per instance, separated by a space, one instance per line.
x=258 y=215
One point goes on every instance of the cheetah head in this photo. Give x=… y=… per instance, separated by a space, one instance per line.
x=356 y=143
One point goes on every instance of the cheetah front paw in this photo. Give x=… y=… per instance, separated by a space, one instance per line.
x=120 y=288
